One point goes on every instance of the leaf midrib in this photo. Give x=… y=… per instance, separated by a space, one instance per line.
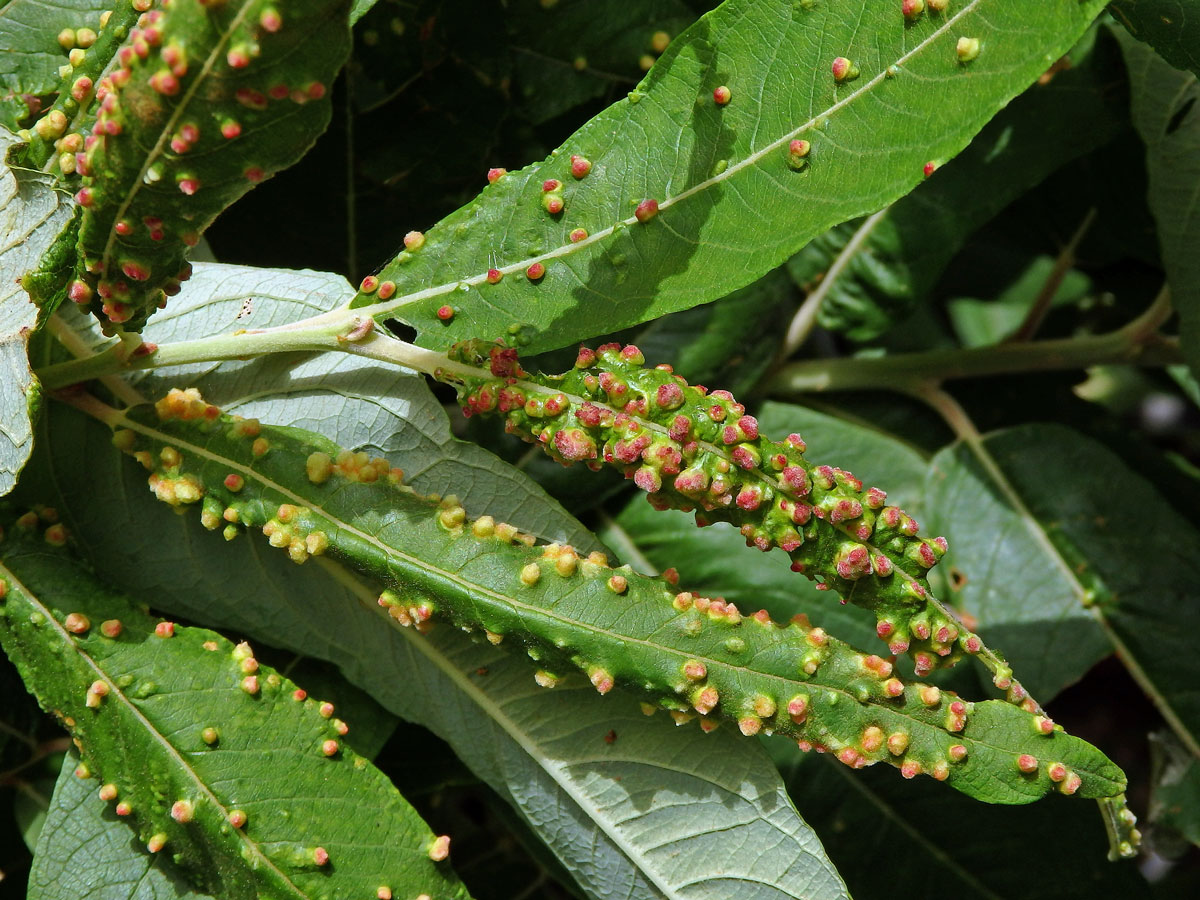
x=537 y=611
x=116 y=690
x=169 y=127
x=378 y=309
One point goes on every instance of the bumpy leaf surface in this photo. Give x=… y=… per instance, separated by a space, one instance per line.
x=33 y=46
x=679 y=184
x=32 y=214
x=595 y=777
x=244 y=781
x=1166 y=112
x=208 y=100
x=690 y=449
x=887 y=264
x=680 y=651
x=80 y=853
x=1089 y=558
x=967 y=850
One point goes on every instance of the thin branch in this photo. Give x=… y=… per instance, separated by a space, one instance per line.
x=1137 y=343
x=1062 y=265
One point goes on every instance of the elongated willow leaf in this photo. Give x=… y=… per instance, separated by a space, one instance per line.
x=686 y=653
x=883 y=266
x=79 y=827
x=215 y=759
x=208 y=100
x=695 y=450
x=31 y=216
x=676 y=196
x=600 y=782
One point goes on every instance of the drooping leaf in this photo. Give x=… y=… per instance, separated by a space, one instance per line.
x=208 y=753
x=208 y=100
x=1166 y=112
x=680 y=651
x=883 y=265
x=1171 y=27
x=679 y=184
x=35 y=38
x=966 y=850
x=32 y=214
x=699 y=452
x=1073 y=556
x=523 y=740
x=82 y=853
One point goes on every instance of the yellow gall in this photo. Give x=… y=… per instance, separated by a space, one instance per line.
x=618 y=584
x=440 y=848
x=530 y=575
x=318 y=467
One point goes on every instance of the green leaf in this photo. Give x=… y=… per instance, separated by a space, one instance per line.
x=968 y=850
x=874 y=270
x=32 y=214
x=357 y=403
x=979 y=323
x=573 y=51
x=599 y=806
x=1068 y=557
x=1175 y=795
x=237 y=92
x=79 y=826
x=678 y=651
x=730 y=205
x=1167 y=116
x=1172 y=27
x=140 y=699
x=31 y=51
x=731 y=342
x=703 y=555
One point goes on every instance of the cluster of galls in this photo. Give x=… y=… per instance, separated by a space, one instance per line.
x=709 y=660
x=155 y=166
x=697 y=450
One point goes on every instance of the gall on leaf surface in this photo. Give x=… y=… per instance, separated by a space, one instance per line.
x=603 y=808
x=213 y=758
x=576 y=613
x=206 y=101
x=732 y=201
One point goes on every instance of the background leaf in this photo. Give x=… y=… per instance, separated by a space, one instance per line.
x=83 y=851
x=1091 y=560
x=1171 y=27
x=32 y=214
x=730 y=205
x=1167 y=115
